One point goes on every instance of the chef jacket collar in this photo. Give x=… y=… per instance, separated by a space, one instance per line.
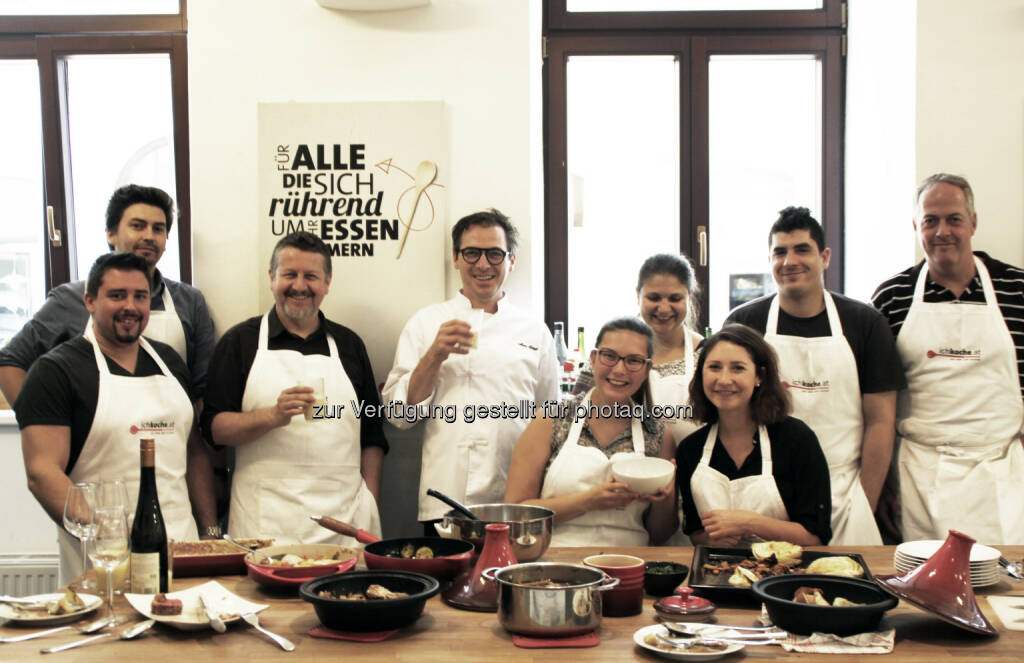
x=463 y=301
x=276 y=328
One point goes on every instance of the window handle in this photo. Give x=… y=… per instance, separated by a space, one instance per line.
x=702 y=240
x=51 y=229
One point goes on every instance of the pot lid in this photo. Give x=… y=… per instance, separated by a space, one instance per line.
x=684 y=603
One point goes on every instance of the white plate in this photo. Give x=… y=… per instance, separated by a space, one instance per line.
x=91 y=603
x=680 y=654
x=227 y=605
x=925 y=549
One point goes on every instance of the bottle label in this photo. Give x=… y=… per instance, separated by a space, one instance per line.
x=145 y=570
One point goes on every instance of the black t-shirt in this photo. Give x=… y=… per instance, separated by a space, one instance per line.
x=62 y=387
x=798 y=465
x=879 y=368
x=235 y=352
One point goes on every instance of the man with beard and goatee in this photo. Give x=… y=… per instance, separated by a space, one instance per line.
x=84 y=406
x=289 y=466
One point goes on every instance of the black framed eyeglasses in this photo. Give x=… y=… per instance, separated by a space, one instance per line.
x=633 y=363
x=471 y=254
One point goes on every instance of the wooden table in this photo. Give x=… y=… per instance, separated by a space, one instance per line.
x=445 y=635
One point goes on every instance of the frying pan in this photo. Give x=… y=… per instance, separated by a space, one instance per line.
x=451 y=556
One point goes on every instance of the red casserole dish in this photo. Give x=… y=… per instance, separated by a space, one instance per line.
x=293 y=576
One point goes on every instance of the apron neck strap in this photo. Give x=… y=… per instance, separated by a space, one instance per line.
x=764 y=441
x=636 y=429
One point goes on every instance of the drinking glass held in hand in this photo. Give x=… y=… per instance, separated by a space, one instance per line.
x=109 y=546
x=78 y=520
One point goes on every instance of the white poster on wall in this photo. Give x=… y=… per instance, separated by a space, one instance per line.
x=368 y=178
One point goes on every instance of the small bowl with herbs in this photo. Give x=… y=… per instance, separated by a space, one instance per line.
x=662 y=578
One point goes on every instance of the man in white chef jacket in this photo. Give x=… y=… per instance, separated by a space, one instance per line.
x=138 y=220
x=959 y=328
x=84 y=406
x=474 y=350
x=281 y=392
x=839 y=364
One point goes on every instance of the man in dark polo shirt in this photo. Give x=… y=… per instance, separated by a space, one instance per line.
x=84 y=406
x=269 y=371
x=958 y=317
x=838 y=361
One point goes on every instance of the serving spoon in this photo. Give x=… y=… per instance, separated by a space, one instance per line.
x=426 y=173
x=127 y=634
x=458 y=506
x=91 y=627
x=227 y=537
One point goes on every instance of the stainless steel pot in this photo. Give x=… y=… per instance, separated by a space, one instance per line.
x=549 y=611
x=529 y=527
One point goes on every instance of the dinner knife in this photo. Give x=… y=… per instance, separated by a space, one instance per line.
x=216 y=623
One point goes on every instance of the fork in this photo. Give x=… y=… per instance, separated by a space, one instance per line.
x=254 y=621
x=1012 y=568
x=686 y=643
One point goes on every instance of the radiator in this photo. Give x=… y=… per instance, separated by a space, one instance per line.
x=27 y=574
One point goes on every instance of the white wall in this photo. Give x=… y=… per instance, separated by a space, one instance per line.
x=481 y=58
x=970 y=110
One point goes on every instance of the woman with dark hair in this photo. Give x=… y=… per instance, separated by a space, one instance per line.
x=752 y=472
x=666 y=291
x=563 y=460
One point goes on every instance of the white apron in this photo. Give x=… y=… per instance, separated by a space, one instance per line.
x=127 y=410
x=577 y=468
x=305 y=467
x=674 y=390
x=165 y=326
x=820 y=375
x=758 y=493
x=961 y=462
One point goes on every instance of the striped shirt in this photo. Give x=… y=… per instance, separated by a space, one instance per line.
x=894 y=295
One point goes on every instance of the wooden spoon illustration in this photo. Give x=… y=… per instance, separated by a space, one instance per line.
x=426 y=172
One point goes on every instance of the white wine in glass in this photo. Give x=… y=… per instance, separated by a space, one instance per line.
x=109 y=547
x=112 y=494
x=79 y=520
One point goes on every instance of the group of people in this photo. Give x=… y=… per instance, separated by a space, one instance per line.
x=795 y=403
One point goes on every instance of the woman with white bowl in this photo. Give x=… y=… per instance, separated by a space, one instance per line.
x=563 y=460
x=752 y=472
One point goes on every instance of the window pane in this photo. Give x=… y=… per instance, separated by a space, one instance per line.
x=686 y=5
x=81 y=8
x=765 y=154
x=121 y=132
x=623 y=165
x=22 y=263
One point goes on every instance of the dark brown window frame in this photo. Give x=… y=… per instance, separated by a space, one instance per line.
x=686 y=35
x=93 y=35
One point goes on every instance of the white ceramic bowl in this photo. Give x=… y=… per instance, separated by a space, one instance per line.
x=644 y=474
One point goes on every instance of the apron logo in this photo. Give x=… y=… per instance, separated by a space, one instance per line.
x=807 y=385
x=970 y=354
x=153 y=428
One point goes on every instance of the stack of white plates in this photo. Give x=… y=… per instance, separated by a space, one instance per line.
x=984 y=560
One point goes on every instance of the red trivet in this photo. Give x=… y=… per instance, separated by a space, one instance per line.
x=527 y=642
x=321 y=631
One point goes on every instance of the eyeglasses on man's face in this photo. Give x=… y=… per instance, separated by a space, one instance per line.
x=471 y=254
x=633 y=363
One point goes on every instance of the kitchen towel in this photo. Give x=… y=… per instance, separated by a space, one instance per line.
x=1010 y=610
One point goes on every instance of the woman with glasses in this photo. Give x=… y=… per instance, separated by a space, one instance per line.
x=752 y=472
x=666 y=292
x=563 y=459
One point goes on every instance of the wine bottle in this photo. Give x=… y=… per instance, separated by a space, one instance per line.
x=149 y=563
x=561 y=352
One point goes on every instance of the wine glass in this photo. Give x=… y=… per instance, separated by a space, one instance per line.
x=109 y=547
x=112 y=494
x=79 y=521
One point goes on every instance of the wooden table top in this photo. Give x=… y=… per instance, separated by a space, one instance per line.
x=444 y=634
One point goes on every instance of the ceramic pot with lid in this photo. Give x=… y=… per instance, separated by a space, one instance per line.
x=548 y=599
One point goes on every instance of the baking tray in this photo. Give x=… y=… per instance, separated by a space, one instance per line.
x=718 y=587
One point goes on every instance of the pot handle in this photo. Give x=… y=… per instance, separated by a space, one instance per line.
x=444 y=528
x=490 y=572
x=607 y=582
